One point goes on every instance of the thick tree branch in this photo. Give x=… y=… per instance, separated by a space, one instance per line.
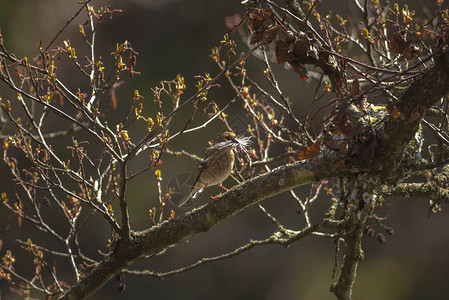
x=429 y=190
x=436 y=189
x=397 y=133
x=353 y=244
x=202 y=219
x=412 y=104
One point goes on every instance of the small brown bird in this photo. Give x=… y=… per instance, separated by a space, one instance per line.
x=216 y=166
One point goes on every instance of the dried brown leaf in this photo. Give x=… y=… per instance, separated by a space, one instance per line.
x=270 y=33
x=393 y=111
x=418 y=112
x=329 y=141
x=299 y=68
x=282 y=53
x=256 y=18
x=343 y=123
x=399 y=44
x=310 y=151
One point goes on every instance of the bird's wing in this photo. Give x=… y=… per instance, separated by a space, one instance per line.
x=186 y=200
x=201 y=168
x=195 y=189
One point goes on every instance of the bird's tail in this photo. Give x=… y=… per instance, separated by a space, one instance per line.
x=188 y=198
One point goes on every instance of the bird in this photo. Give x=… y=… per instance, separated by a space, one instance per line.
x=216 y=166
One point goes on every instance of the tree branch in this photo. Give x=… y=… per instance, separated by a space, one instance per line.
x=202 y=219
x=412 y=104
x=276 y=238
x=429 y=190
x=353 y=244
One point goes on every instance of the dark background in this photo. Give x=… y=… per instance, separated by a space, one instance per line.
x=175 y=37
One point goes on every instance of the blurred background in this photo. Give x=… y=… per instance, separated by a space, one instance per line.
x=175 y=37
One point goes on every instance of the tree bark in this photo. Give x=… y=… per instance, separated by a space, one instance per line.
x=412 y=104
x=353 y=244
